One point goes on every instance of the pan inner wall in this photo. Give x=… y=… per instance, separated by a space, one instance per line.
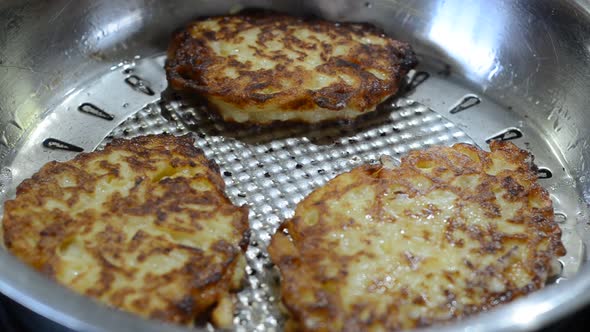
x=272 y=169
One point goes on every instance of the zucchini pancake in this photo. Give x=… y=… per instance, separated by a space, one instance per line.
x=143 y=225
x=450 y=232
x=267 y=67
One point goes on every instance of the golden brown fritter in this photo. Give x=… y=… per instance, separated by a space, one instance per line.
x=267 y=67
x=143 y=225
x=450 y=232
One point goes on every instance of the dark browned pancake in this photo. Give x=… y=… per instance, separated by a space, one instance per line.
x=143 y=225
x=268 y=67
x=450 y=232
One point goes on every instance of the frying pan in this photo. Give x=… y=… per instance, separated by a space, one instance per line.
x=75 y=74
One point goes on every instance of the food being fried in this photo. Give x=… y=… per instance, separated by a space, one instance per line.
x=267 y=67
x=143 y=225
x=450 y=232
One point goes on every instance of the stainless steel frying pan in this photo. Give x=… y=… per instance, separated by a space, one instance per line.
x=74 y=74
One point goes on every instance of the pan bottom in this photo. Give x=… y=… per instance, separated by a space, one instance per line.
x=272 y=169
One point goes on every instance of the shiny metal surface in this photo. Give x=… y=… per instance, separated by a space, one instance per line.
x=527 y=61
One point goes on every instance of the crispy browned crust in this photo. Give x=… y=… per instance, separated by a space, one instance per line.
x=161 y=193
x=314 y=270
x=194 y=66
